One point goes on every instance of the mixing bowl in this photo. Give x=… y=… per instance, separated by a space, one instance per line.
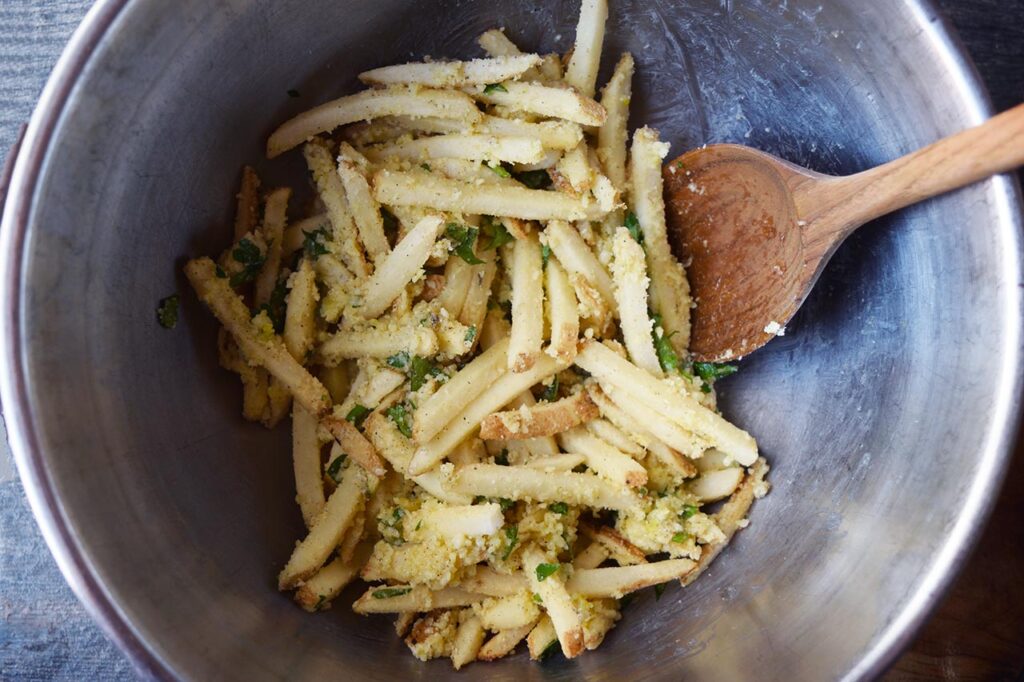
x=886 y=409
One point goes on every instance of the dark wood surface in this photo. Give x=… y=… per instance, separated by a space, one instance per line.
x=977 y=632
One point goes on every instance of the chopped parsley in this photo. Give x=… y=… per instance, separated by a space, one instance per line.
x=688 y=511
x=334 y=470
x=512 y=536
x=659 y=590
x=681 y=537
x=426 y=167
x=463 y=237
x=493 y=234
x=357 y=415
x=505 y=503
x=667 y=356
x=167 y=311
x=545 y=571
x=251 y=258
x=535 y=179
x=389 y=592
x=400 y=416
x=550 y=393
x=537 y=599
x=398 y=360
x=314 y=243
x=419 y=369
x=709 y=372
x=559 y=507
x=277 y=305
x=499 y=170
x=633 y=225
x=478 y=499
x=495 y=87
x=470 y=333
x=545 y=255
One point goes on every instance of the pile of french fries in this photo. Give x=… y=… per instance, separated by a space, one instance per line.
x=481 y=336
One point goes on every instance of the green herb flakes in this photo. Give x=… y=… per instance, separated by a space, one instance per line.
x=493 y=234
x=550 y=393
x=559 y=508
x=251 y=258
x=495 y=87
x=680 y=538
x=398 y=360
x=535 y=179
x=389 y=592
x=709 y=372
x=499 y=170
x=419 y=369
x=400 y=416
x=659 y=590
x=357 y=415
x=462 y=239
x=633 y=225
x=688 y=511
x=167 y=311
x=512 y=537
x=545 y=255
x=545 y=571
x=314 y=243
x=426 y=167
x=470 y=333
x=334 y=470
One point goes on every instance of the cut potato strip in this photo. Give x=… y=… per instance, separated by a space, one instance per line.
x=557 y=602
x=327 y=530
x=682 y=409
x=467 y=146
x=488 y=581
x=577 y=258
x=544 y=419
x=611 y=434
x=352 y=167
x=332 y=193
x=370 y=104
x=300 y=313
x=496 y=43
x=354 y=444
x=325 y=585
x=670 y=290
x=544 y=100
x=274 y=218
x=404 y=598
x=581 y=73
x=604 y=459
x=295 y=234
x=563 y=312
x=621 y=580
x=398 y=268
x=503 y=643
x=452 y=74
x=461 y=390
x=254 y=379
x=309 y=486
x=556 y=462
x=468 y=640
x=592 y=556
x=248 y=208
x=428 y=190
x=478 y=296
x=618 y=547
x=461 y=520
x=509 y=612
x=541 y=638
x=377 y=342
x=613 y=136
x=457 y=276
x=716 y=485
x=629 y=273
x=664 y=430
x=525 y=483
x=527 y=280
x=500 y=393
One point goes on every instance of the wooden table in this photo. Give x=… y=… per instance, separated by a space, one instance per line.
x=977 y=633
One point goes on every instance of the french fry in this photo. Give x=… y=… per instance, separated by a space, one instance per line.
x=730 y=518
x=325 y=585
x=556 y=135
x=682 y=409
x=595 y=628
x=716 y=485
x=563 y=311
x=469 y=451
x=461 y=520
x=272 y=230
x=367 y=105
x=354 y=444
x=353 y=541
x=372 y=383
x=544 y=100
x=528 y=448
x=664 y=430
x=509 y=612
x=247 y=212
x=309 y=487
x=404 y=621
x=670 y=290
x=613 y=136
x=525 y=483
x=457 y=276
x=604 y=459
x=377 y=342
x=629 y=273
x=254 y=379
x=452 y=74
x=266 y=350
x=611 y=434
x=332 y=194
x=398 y=268
x=478 y=295
x=468 y=383
x=577 y=258
x=493 y=584
x=527 y=280
x=427 y=190
x=592 y=556
x=327 y=529
x=545 y=419
x=468 y=640
x=541 y=638
x=617 y=581
x=467 y=146
x=279 y=400
x=619 y=548
x=300 y=314
x=501 y=392
x=557 y=602
x=581 y=73
x=495 y=43
x=364 y=208
x=572 y=173
x=503 y=643
x=556 y=462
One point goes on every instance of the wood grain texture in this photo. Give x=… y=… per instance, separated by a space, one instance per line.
x=976 y=634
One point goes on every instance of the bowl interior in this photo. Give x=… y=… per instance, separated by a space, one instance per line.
x=882 y=411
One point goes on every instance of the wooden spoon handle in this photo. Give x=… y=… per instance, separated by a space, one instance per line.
x=839 y=205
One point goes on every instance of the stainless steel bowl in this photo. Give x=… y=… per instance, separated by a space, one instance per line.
x=886 y=410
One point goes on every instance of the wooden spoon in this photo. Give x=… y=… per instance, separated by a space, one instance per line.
x=758 y=231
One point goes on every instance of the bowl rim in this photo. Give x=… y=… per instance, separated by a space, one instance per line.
x=20 y=181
